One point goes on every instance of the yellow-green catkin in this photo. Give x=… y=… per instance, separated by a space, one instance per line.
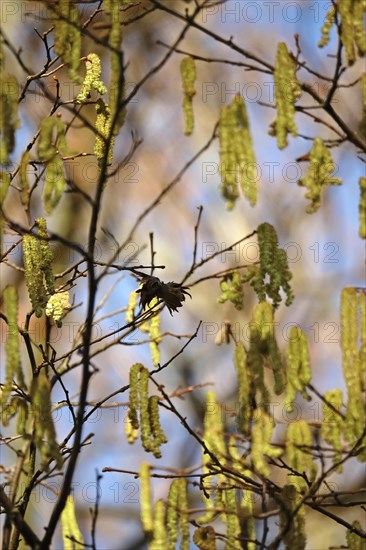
x=183 y=513
x=230 y=516
x=156 y=338
x=145 y=492
x=145 y=426
x=188 y=74
x=133 y=405
x=238 y=166
x=245 y=510
x=38 y=260
x=1 y=53
x=362 y=209
x=173 y=515
x=33 y=273
x=215 y=442
x=92 y=79
x=152 y=326
x=362 y=124
x=255 y=361
x=298 y=449
x=228 y=161
x=103 y=125
x=145 y=326
x=263 y=319
x=71 y=535
x=21 y=409
x=4 y=186
x=46 y=255
x=352 y=30
x=293 y=525
x=45 y=433
x=297 y=366
x=246 y=517
x=214 y=428
x=353 y=312
x=318 y=175
x=354 y=541
x=117 y=80
x=333 y=424
x=23 y=179
x=261 y=442
x=325 y=30
x=57 y=305
x=362 y=350
x=232 y=290
x=244 y=388
x=287 y=91
x=159 y=535
x=155 y=426
x=131 y=306
x=13 y=367
x=9 y=120
x=68 y=36
x=273 y=272
x=55 y=184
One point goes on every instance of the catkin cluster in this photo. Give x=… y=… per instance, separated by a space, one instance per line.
x=219 y=492
x=351 y=27
x=165 y=522
x=237 y=157
x=143 y=412
x=104 y=119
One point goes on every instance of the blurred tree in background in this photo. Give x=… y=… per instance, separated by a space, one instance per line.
x=183 y=310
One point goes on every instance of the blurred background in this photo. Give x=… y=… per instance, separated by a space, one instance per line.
x=323 y=248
